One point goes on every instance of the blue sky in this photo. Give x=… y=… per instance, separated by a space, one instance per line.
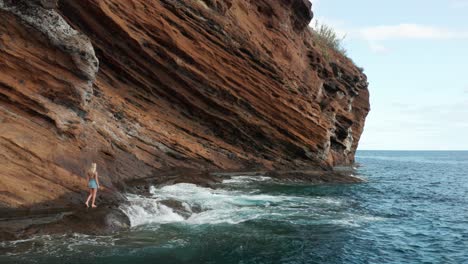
x=415 y=54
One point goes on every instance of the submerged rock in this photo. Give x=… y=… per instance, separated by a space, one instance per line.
x=181 y=208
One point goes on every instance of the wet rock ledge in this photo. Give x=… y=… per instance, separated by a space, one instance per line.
x=21 y=224
x=108 y=218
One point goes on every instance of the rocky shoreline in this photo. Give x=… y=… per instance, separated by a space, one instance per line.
x=141 y=87
x=214 y=87
x=108 y=218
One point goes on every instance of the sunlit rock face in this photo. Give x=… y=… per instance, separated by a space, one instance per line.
x=143 y=86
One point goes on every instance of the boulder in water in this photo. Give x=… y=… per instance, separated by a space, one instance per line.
x=181 y=208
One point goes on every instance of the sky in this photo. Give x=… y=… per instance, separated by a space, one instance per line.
x=415 y=55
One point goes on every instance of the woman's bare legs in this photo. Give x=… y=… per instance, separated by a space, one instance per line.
x=94 y=197
x=89 y=197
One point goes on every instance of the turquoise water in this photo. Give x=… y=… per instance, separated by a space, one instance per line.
x=412 y=209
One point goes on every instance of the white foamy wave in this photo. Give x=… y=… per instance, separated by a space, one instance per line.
x=79 y=242
x=246 y=179
x=143 y=210
x=354 y=220
x=55 y=245
x=218 y=206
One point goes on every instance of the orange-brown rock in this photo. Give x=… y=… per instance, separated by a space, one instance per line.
x=141 y=86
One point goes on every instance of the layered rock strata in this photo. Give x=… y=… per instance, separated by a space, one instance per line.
x=144 y=86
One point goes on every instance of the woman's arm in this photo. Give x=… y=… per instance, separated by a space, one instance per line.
x=97 y=179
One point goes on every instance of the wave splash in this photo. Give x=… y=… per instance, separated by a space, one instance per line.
x=216 y=206
x=232 y=206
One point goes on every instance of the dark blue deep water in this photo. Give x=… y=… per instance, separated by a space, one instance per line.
x=412 y=209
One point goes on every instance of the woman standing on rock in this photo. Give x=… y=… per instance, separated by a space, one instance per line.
x=93 y=184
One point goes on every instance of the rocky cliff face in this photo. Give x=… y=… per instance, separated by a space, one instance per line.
x=142 y=86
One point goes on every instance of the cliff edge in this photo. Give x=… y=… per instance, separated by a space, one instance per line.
x=145 y=86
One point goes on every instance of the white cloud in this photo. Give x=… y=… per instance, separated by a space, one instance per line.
x=410 y=31
x=376 y=36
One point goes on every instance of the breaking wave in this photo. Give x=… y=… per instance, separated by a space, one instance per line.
x=232 y=206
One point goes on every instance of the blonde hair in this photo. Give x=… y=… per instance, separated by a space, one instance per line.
x=92 y=170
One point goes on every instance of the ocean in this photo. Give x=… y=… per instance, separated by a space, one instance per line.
x=413 y=208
